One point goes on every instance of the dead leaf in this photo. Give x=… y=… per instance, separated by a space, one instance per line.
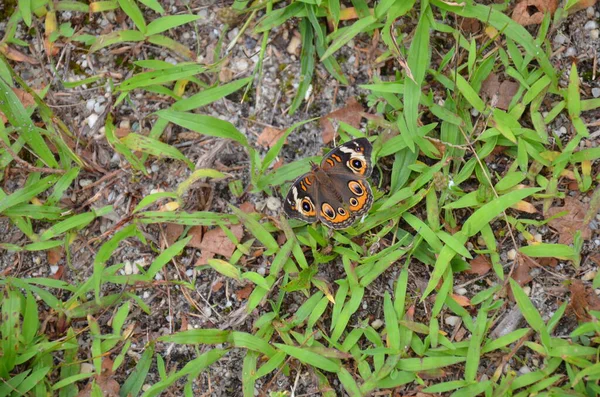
x=244 y=293
x=521 y=274
x=217 y=286
x=105 y=381
x=15 y=55
x=350 y=114
x=531 y=12
x=500 y=94
x=508 y=89
x=54 y=255
x=524 y=206
x=569 y=224
x=583 y=299
x=470 y=25
x=247 y=207
x=480 y=265
x=462 y=300
x=215 y=241
x=196 y=233
x=269 y=136
x=172 y=233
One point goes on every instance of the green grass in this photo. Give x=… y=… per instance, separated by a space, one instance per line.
x=439 y=198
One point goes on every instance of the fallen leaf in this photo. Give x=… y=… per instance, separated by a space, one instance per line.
x=524 y=206
x=521 y=274
x=15 y=55
x=269 y=136
x=470 y=25
x=105 y=381
x=569 y=224
x=583 y=299
x=215 y=241
x=247 y=207
x=217 y=286
x=196 y=233
x=172 y=233
x=552 y=262
x=480 y=265
x=531 y=12
x=54 y=255
x=244 y=293
x=500 y=94
x=350 y=114
x=462 y=300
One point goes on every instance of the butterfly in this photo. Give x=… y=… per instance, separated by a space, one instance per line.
x=337 y=191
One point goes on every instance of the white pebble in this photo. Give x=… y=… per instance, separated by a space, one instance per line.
x=92 y=119
x=589 y=275
x=460 y=291
x=571 y=51
x=594 y=34
x=128 y=268
x=590 y=25
x=596 y=92
x=273 y=203
x=590 y=12
x=560 y=38
x=377 y=324
x=452 y=320
x=189 y=272
x=512 y=254
x=99 y=108
x=90 y=104
x=146 y=294
x=537 y=237
x=261 y=270
x=53 y=269
x=527 y=290
x=85 y=182
x=474 y=112
x=524 y=370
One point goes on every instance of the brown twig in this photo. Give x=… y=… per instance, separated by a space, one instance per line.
x=28 y=166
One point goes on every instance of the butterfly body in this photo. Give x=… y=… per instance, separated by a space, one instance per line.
x=336 y=192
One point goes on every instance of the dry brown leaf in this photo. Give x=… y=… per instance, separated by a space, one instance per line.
x=524 y=206
x=521 y=274
x=350 y=114
x=15 y=55
x=531 y=12
x=462 y=300
x=217 y=286
x=172 y=232
x=269 y=136
x=569 y=224
x=583 y=299
x=244 y=293
x=508 y=89
x=470 y=25
x=480 y=265
x=248 y=207
x=215 y=241
x=54 y=255
x=196 y=233
x=105 y=381
x=499 y=93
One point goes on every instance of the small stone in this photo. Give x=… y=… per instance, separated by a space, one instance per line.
x=85 y=182
x=524 y=370
x=186 y=36
x=155 y=167
x=99 y=108
x=158 y=276
x=207 y=311
x=527 y=290
x=512 y=254
x=590 y=12
x=596 y=92
x=92 y=119
x=53 y=269
x=474 y=112
x=146 y=294
x=377 y=324
x=90 y=104
x=452 y=320
x=589 y=275
x=86 y=368
x=169 y=318
x=261 y=270
x=590 y=25
x=293 y=47
x=128 y=268
x=273 y=203
x=594 y=34
x=37 y=260
x=240 y=65
x=537 y=238
x=461 y=291
x=189 y=272
x=561 y=131
x=571 y=52
x=560 y=39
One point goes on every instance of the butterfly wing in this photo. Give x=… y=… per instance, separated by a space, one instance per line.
x=301 y=200
x=352 y=157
